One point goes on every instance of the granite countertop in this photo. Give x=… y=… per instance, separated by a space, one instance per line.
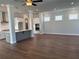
x=21 y=30
x=7 y=31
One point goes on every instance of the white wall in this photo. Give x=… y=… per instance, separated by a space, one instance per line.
x=66 y=26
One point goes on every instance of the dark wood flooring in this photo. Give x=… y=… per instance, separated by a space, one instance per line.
x=42 y=47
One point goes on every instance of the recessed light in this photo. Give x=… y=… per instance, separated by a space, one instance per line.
x=72 y=3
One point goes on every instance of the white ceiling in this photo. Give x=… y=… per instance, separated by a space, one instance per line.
x=56 y=4
x=46 y=5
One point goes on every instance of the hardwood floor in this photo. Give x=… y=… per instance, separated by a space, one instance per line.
x=42 y=47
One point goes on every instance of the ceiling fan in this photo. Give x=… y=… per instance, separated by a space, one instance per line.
x=32 y=2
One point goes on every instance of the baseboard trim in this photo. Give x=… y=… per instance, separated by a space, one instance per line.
x=62 y=34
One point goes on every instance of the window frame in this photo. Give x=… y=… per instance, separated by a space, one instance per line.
x=58 y=17
x=73 y=16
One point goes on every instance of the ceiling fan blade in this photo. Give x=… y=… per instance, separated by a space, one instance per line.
x=34 y=4
x=38 y=1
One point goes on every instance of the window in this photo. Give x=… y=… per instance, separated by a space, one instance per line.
x=46 y=19
x=58 y=18
x=73 y=16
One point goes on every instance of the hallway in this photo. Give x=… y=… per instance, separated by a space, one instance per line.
x=42 y=47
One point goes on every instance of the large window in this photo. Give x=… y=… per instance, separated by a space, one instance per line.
x=58 y=18
x=46 y=19
x=73 y=16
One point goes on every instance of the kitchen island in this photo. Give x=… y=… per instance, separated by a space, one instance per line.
x=20 y=35
x=23 y=34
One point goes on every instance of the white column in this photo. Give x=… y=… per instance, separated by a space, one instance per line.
x=10 y=10
x=24 y=22
x=41 y=16
x=24 y=25
x=0 y=26
x=30 y=22
x=0 y=20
